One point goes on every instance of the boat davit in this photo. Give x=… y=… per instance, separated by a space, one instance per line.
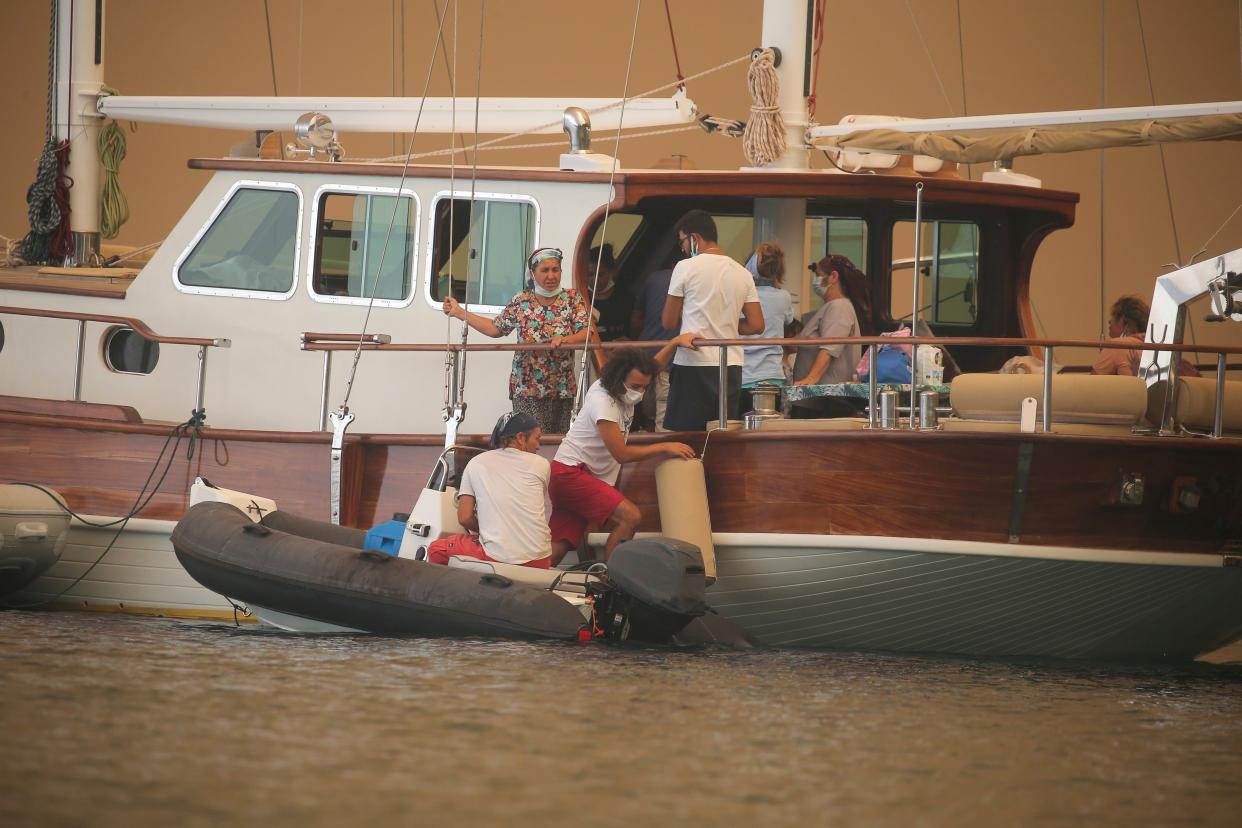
x=290 y=568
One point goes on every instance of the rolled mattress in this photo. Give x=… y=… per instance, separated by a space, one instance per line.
x=346 y=586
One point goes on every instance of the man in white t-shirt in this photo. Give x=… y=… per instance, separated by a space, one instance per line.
x=714 y=295
x=588 y=463
x=504 y=499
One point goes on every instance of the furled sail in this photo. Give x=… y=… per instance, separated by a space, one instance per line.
x=999 y=145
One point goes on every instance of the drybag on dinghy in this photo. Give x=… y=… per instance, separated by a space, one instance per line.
x=341 y=584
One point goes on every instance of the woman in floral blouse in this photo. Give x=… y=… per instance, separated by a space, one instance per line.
x=542 y=383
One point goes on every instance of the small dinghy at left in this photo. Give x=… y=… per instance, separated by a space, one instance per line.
x=309 y=575
x=34 y=526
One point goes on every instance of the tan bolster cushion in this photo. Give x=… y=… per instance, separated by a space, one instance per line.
x=1196 y=404
x=1076 y=398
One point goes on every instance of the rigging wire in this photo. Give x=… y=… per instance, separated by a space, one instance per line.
x=271 y=50
x=614 y=105
x=935 y=71
x=1103 y=154
x=961 y=66
x=1164 y=168
x=672 y=36
x=353 y=370
x=821 y=12
x=608 y=198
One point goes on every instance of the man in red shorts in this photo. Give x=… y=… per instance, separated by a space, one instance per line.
x=588 y=462
x=504 y=499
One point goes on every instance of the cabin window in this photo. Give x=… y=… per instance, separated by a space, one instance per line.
x=478 y=253
x=250 y=246
x=948 y=273
x=356 y=257
x=125 y=352
x=1 y=336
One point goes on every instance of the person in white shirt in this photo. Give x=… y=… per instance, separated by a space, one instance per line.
x=588 y=462
x=503 y=499
x=714 y=295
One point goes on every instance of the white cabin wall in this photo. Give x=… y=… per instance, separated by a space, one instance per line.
x=1018 y=56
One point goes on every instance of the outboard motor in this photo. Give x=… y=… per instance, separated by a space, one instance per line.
x=657 y=588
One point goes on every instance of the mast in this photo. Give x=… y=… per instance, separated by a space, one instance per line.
x=79 y=78
x=786 y=26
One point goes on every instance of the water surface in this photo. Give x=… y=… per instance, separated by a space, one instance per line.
x=111 y=720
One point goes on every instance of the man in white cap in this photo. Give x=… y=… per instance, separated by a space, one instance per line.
x=503 y=500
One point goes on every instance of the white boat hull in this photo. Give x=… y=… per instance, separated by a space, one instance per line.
x=984 y=599
x=839 y=592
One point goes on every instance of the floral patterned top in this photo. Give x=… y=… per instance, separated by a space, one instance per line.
x=542 y=375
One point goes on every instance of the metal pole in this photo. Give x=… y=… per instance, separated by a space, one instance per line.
x=1219 y=421
x=724 y=387
x=1047 y=388
x=202 y=377
x=872 y=351
x=323 y=394
x=81 y=356
x=914 y=309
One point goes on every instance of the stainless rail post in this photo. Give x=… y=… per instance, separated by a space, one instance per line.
x=1218 y=423
x=81 y=356
x=456 y=411
x=202 y=378
x=724 y=387
x=323 y=393
x=872 y=351
x=1047 y=411
x=914 y=309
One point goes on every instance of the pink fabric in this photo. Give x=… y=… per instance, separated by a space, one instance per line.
x=864 y=364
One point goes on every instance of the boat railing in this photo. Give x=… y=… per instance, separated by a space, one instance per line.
x=328 y=343
x=137 y=326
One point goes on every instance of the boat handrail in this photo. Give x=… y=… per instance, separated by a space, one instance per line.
x=328 y=343
x=137 y=326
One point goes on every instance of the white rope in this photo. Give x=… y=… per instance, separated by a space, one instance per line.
x=599 y=259
x=763 y=140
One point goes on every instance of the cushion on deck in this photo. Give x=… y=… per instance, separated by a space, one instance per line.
x=1076 y=398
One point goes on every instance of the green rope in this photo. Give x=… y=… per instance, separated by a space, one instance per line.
x=113 y=206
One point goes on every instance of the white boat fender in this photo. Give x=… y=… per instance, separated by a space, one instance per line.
x=681 y=488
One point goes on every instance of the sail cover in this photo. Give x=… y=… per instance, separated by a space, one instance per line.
x=966 y=148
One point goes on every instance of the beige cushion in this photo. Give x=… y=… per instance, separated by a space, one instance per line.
x=1076 y=429
x=1196 y=404
x=1076 y=398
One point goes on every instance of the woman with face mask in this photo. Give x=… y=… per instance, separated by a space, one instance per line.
x=829 y=364
x=542 y=383
x=588 y=462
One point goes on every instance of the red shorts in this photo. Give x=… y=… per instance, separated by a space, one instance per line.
x=468 y=546
x=578 y=497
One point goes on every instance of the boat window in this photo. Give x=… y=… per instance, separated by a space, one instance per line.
x=125 y=352
x=948 y=273
x=621 y=229
x=1 y=336
x=479 y=255
x=248 y=248
x=356 y=258
x=824 y=235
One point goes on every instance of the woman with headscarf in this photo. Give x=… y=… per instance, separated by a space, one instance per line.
x=765 y=363
x=542 y=383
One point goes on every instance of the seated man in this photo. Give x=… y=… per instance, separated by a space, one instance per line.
x=504 y=499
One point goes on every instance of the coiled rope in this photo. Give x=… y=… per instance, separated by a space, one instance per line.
x=763 y=140
x=48 y=196
x=113 y=206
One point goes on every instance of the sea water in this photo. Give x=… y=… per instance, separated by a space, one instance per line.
x=111 y=720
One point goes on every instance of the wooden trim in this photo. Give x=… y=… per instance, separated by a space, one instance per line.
x=64 y=287
x=70 y=408
x=137 y=325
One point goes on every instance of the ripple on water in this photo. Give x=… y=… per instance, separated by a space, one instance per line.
x=151 y=719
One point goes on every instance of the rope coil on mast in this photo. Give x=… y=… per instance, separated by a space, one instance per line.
x=763 y=140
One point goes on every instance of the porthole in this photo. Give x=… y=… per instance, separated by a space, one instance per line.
x=125 y=352
x=1 y=336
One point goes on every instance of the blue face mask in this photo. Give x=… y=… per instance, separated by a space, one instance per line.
x=694 y=247
x=820 y=290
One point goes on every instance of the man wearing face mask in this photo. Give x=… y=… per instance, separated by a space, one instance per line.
x=714 y=295
x=588 y=462
x=828 y=364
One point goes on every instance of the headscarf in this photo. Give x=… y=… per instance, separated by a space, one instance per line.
x=512 y=424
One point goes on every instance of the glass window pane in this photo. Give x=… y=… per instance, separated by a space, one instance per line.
x=844 y=236
x=250 y=245
x=479 y=256
x=949 y=272
x=350 y=247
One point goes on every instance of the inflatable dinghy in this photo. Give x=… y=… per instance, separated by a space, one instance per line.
x=301 y=570
x=34 y=527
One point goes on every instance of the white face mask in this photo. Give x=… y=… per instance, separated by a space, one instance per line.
x=634 y=397
x=548 y=294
